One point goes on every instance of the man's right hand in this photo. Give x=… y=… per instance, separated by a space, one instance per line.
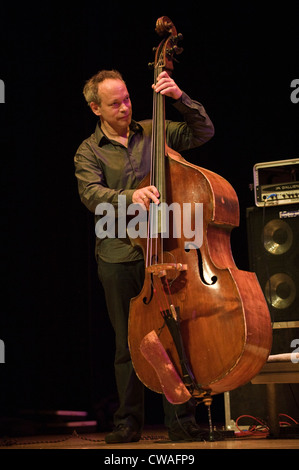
x=145 y=195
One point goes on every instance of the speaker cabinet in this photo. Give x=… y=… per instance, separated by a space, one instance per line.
x=273 y=247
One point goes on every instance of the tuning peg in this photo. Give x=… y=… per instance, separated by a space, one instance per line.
x=177 y=38
x=151 y=65
x=174 y=50
x=177 y=50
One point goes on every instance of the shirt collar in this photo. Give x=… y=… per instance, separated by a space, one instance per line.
x=101 y=139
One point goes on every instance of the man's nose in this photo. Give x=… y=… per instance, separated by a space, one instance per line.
x=124 y=106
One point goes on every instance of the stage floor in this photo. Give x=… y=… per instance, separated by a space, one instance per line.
x=153 y=438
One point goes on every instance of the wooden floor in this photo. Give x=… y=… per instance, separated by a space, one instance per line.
x=153 y=438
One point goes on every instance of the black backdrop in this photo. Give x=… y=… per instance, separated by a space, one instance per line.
x=239 y=61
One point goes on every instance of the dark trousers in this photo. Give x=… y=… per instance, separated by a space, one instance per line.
x=121 y=282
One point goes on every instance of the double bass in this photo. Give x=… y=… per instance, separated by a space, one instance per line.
x=199 y=326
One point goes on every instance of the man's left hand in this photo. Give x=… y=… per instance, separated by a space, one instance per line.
x=167 y=86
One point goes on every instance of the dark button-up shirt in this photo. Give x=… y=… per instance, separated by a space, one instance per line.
x=106 y=169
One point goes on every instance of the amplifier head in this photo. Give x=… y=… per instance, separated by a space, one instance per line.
x=276 y=182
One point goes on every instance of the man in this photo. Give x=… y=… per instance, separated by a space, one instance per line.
x=112 y=162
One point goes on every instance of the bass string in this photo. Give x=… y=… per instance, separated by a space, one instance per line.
x=153 y=251
x=160 y=295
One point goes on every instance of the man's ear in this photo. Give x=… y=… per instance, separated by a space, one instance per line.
x=95 y=108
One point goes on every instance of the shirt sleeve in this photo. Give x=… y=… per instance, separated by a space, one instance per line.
x=92 y=187
x=196 y=129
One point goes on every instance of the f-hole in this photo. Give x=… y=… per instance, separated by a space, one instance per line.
x=207 y=282
x=147 y=300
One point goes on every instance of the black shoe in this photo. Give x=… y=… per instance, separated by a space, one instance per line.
x=186 y=431
x=122 y=433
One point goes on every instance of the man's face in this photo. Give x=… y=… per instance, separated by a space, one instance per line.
x=115 y=108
